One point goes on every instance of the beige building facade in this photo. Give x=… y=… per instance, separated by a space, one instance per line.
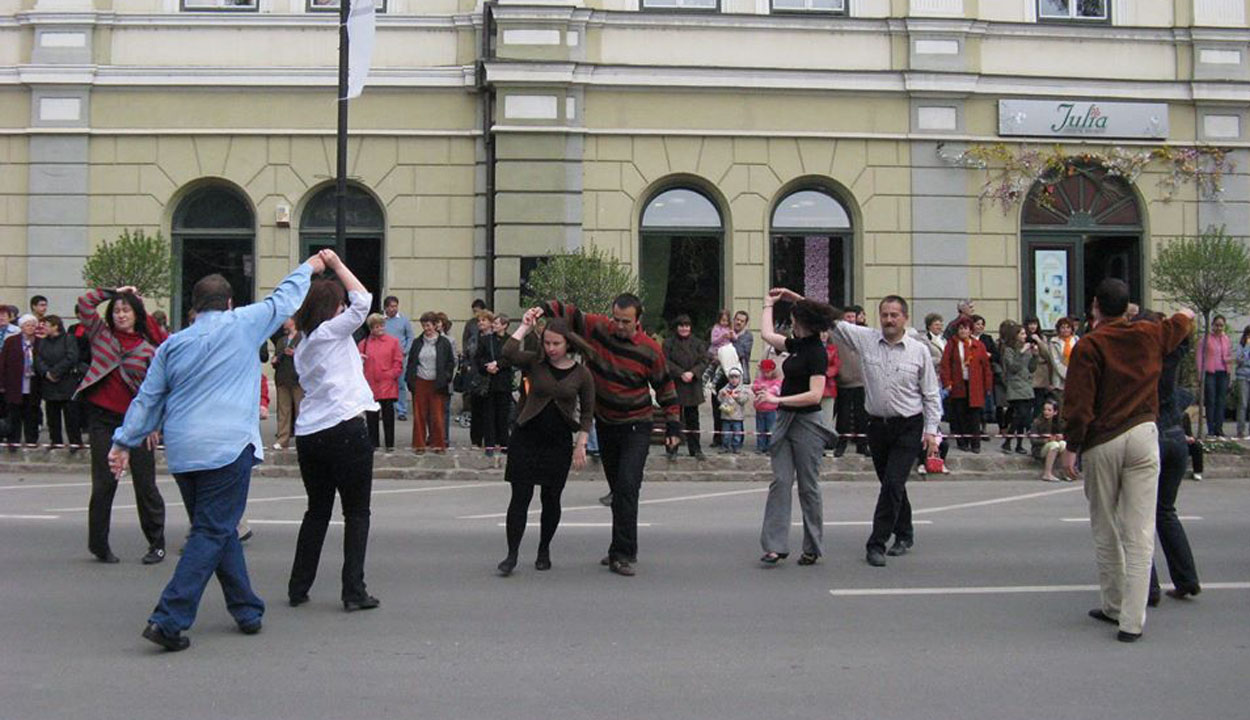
x=717 y=146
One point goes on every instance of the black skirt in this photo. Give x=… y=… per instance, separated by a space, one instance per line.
x=540 y=452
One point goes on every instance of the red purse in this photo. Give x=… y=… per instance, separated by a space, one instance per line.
x=934 y=465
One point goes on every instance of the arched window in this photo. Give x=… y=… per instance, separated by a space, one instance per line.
x=1076 y=230
x=366 y=229
x=811 y=246
x=213 y=232
x=680 y=258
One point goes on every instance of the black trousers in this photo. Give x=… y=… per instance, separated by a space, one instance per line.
x=148 y=498
x=851 y=417
x=718 y=424
x=623 y=450
x=477 y=419
x=24 y=420
x=894 y=443
x=965 y=421
x=497 y=415
x=337 y=459
x=690 y=418
x=59 y=410
x=1172 y=537
x=1195 y=457
x=1020 y=418
x=387 y=414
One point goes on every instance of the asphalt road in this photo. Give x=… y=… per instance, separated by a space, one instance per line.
x=987 y=619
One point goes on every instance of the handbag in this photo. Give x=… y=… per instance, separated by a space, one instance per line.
x=934 y=465
x=460 y=380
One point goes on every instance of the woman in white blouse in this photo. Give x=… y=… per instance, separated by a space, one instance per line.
x=335 y=453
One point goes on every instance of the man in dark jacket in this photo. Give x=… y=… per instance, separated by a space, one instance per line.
x=687 y=359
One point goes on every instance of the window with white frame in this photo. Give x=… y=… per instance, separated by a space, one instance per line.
x=221 y=5
x=828 y=6
x=333 y=5
x=1072 y=9
x=680 y=4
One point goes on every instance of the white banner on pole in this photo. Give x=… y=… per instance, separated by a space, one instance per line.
x=361 y=22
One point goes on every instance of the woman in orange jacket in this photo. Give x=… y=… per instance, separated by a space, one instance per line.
x=965 y=372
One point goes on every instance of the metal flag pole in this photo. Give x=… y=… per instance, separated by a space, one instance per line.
x=340 y=179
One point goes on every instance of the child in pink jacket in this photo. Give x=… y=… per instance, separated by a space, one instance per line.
x=767 y=379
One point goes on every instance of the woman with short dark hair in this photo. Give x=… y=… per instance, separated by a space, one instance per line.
x=798 y=441
x=687 y=359
x=431 y=364
x=332 y=442
x=54 y=365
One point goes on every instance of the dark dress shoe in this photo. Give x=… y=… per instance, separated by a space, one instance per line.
x=107 y=557
x=900 y=547
x=297 y=600
x=246 y=536
x=1152 y=599
x=1127 y=636
x=1180 y=593
x=172 y=643
x=607 y=560
x=876 y=558
x=1098 y=614
x=606 y=500
x=506 y=567
x=622 y=567
x=155 y=555
x=367 y=602
x=250 y=628
x=543 y=562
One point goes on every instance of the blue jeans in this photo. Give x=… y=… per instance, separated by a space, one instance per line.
x=765 y=421
x=733 y=434
x=592 y=440
x=1215 y=386
x=215 y=500
x=401 y=403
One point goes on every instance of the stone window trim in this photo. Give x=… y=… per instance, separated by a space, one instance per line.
x=680 y=6
x=809 y=7
x=1077 y=12
x=219 y=5
x=329 y=6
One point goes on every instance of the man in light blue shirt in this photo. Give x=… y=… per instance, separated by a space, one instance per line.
x=398 y=327
x=203 y=390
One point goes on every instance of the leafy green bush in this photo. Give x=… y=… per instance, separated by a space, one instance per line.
x=589 y=278
x=137 y=258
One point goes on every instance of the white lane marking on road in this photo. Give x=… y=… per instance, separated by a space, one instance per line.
x=1085 y=519
x=1001 y=589
x=845 y=523
x=654 y=501
x=283 y=498
x=253 y=521
x=995 y=501
x=576 y=525
x=29 y=517
x=63 y=485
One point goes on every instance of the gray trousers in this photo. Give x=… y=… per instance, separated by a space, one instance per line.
x=797 y=447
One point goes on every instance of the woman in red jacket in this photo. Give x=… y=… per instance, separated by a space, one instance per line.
x=383 y=364
x=965 y=371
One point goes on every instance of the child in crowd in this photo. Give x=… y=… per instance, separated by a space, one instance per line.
x=732 y=399
x=1048 y=439
x=768 y=379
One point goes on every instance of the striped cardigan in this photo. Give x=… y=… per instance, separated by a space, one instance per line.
x=625 y=370
x=106 y=350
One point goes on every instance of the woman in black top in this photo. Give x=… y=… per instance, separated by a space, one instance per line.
x=798 y=442
x=497 y=373
x=560 y=402
x=55 y=366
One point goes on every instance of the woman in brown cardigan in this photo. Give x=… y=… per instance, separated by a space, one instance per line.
x=560 y=401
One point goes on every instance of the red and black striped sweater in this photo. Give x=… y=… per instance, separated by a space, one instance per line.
x=625 y=369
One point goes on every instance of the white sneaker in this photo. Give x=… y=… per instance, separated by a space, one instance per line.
x=921 y=471
x=1196 y=476
x=277 y=446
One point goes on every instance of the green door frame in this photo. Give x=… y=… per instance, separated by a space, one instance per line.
x=1073 y=242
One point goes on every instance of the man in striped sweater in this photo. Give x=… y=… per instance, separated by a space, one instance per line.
x=626 y=365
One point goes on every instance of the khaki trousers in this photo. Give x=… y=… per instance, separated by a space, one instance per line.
x=289 y=399
x=1122 y=485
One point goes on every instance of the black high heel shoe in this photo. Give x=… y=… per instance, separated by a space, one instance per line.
x=506 y=567
x=543 y=562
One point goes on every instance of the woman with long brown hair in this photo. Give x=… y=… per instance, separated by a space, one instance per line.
x=560 y=403
x=122 y=345
x=335 y=453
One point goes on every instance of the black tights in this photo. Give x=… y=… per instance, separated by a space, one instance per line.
x=518 y=512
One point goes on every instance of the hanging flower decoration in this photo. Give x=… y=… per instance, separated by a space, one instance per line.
x=1012 y=170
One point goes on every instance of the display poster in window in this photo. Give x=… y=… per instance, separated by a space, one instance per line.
x=1050 y=277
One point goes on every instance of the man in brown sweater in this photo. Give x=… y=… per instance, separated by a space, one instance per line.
x=1110 y=404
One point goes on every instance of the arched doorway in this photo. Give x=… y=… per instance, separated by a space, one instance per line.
x=366 y=227
x=1075 y=232
x=213 y=231
x=810 y=248
x=680 y=258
